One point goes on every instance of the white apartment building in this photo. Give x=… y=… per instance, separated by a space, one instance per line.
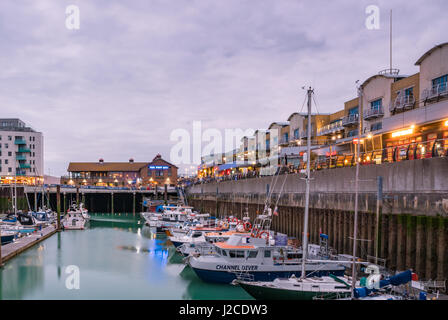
x=21 y=152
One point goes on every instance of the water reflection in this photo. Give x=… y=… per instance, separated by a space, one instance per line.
x=118 y=257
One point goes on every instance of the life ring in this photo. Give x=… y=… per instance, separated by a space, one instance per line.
x=225 y=225
x=263 y=232
x=254 y=233
x=234 y=220
x=247 y=226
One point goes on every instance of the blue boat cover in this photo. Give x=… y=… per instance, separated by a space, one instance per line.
x=401 y=278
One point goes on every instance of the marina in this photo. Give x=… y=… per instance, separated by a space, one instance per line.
x=233 y=159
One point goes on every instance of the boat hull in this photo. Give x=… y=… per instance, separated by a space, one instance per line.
x=269 y=293
x=216 y=276
x=5 y=239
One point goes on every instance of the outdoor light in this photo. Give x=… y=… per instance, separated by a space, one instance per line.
x=370 y=136
x=446 y=123
x=339 y=136
x=333 y=138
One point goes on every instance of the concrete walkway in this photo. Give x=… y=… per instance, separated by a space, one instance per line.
x=12 y=249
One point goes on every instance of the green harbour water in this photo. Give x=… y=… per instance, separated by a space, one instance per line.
x=117 y=257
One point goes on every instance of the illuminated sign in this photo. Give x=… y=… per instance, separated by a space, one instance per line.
x=403 y=132
x=158 y=167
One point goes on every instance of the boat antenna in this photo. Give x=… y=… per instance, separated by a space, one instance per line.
x=310 y=92
x=390 y=41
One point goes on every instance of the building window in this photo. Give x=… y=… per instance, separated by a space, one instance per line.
x=9 y=138
x=352 y=133
x=376 y=126
x=296 y=134
x=6 y=161
x=376 y=105
x=409 y=92
x=353 y=111
x=440 y=82
x=9 y=169
x=286 y=137
x=6 y=146
x=9 y=154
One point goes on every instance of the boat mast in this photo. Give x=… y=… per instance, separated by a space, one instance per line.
x=307 y=192
x=357 y=158
x=15 y=193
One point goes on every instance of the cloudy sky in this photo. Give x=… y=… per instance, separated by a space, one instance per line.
x=138 y=69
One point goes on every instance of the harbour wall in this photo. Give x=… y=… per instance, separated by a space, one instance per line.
x=413 y=210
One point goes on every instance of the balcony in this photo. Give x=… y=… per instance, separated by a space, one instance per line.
x=331 y=128
x=284 y=141
x=402 y=103
x=20 y=158
x=350 y=120
x=20 y=173
x=19 y=142
x=24 y=166
x=24 y=150
x=373 y=113
x=436 y=92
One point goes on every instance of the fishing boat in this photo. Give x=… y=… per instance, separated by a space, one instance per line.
x=256 y=259
x=204 y=243
x=74 y=219
x=196 y=234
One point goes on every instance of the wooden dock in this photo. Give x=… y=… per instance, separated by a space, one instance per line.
x=12 y=249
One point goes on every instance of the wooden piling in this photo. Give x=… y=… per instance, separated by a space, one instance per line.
x=430 y=248
x=441 y=248
x=410 y=242
x=112 y=202
x=133 y=203
x=400 y=243
x=58 y=207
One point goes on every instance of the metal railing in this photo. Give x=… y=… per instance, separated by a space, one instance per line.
x=436 y=91
x=390 y=71
x=331 y=128
x=350 y=119
x=373 y=113
x=402 y=103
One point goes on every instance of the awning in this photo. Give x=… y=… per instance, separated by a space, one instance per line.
x=227 y=166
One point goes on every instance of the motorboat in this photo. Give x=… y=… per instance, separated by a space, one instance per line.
x=74 y=219
x=7 y=237
x=256 y=259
